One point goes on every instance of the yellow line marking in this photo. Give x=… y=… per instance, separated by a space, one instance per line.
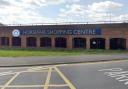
x=6 y=73
x=13 y=68
x=48 y=78
x=19 y=86
x=24 y=67
x=10 y=80
x=62 y=85
x=64 y=78
x=33 y=71
x=38 y=68
x=79 y=64
x=62 y=65
x=12 y=73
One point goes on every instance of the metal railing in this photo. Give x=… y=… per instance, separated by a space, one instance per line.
x=66 y=23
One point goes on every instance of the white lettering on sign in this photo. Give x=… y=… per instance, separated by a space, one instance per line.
x=118 y=73
x=93 y=31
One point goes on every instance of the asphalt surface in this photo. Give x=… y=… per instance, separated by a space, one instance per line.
x=17 y=61
x=100 y=75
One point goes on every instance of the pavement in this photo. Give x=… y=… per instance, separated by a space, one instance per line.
x=25 y=61
x=99 y=75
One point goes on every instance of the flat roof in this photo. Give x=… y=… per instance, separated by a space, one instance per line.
x=66 y=25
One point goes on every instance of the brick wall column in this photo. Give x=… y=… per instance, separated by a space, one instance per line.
x=10 y=41
x=127 y=43
x=38 y=41
x=53 y=42
x=0 y=42
x=69 y=42
x=23 y=42
x=107 y=43
x=87 y=42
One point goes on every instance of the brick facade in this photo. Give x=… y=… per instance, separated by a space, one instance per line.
x=109 y=31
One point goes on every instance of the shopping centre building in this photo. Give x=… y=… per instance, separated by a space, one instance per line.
x=87 y=36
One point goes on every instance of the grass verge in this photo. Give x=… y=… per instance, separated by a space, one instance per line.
x=18 y=52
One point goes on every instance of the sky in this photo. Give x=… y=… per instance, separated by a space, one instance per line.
x=57 y=11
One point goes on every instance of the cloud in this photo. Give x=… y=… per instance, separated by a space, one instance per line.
x=102 y=10
x=104 y=6
x=20 y=16
x=73 y=10
x=97 y=11
x=28 y=11
x=48 y=2
x=71 y=13
x=20 y=12
x=3 y=3
x=123 y=17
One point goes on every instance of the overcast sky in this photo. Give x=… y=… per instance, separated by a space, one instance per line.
x=48 y=11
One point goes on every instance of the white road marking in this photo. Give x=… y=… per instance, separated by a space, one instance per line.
x=118 y=73
x=112 y=69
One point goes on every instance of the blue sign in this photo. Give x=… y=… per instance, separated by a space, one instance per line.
x=96 y=31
